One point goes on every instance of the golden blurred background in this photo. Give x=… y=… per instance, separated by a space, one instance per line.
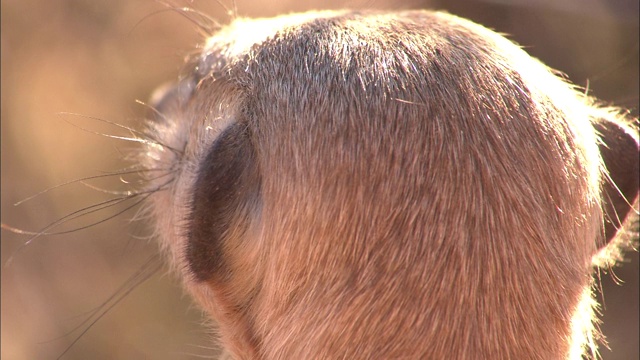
x=95 y=58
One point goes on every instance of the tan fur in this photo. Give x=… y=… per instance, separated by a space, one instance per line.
x=420 y=189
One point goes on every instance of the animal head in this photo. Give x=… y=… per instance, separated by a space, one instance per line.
x=387 y=185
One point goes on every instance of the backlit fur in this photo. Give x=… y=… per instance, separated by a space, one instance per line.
x=373 y=185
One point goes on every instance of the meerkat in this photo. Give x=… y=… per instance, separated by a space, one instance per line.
x=388 y=185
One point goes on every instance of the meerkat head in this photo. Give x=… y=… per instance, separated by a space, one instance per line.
x=350 y=185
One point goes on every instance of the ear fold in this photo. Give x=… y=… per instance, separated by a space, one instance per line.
x=225 y=193
x=620 y=153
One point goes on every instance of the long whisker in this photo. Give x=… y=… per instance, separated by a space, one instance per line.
x=83 y=179
x=144 y=137
x=232 y=12
x=609 y=179
x=150 y=267
x=126 y=193
x=145 y=18
x=76 y=214
x=235 y=10
x=79 y=213
x=91 y=313
x=128 y=128
x=153 y=109
x=205 y=24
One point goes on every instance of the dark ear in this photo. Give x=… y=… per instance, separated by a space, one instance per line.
x=225 y=195
x=620 y=152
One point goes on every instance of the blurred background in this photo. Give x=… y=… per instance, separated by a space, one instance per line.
x=95 y=57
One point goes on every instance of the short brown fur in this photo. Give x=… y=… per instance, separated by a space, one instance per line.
x=415 y=187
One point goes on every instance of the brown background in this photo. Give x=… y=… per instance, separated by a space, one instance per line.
x=95 y=57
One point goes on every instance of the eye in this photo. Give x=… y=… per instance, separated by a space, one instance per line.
x=170 y=96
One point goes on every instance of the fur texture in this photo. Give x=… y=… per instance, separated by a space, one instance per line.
x=359 y=185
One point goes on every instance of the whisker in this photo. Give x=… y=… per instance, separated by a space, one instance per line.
x=79 y=213
x=132 y=139
x=91 y=313
x=86 y=178
x=198 y=356
x=145 y=18
x=155 y=111
x=204 y=23
x=144 y=137
x=231 y=12
x=235 y=10
x=117 y=137
x=71 y=216
x=127 y=193
x=609 y=179
x=147 y=270
x=152 y=108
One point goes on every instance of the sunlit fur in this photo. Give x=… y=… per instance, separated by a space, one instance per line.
x=427 y=191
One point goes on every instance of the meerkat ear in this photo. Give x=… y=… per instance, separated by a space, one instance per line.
x=225 y=195
x=620 y=152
